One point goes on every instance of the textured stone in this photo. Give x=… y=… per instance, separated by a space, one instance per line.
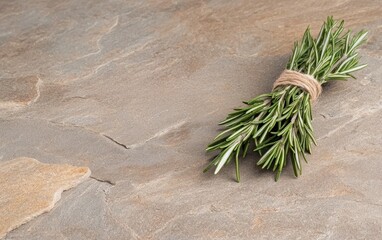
x=30 y=188
x=16 y=92
x=134 y=90
x=86 y=203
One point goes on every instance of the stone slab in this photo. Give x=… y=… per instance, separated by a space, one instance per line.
x=134 y=90
x=30 y=188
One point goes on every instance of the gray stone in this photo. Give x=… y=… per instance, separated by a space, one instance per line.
x=134 y=90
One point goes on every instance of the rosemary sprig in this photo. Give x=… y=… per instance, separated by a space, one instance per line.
x=280 y=123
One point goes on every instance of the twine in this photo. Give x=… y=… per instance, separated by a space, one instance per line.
x=303 y=81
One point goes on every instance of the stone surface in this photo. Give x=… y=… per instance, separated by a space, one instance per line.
x=134 y=90
x=30 y=188
x=16 y=92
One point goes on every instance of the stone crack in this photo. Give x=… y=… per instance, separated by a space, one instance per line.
x=115 y=141
x=103 y=180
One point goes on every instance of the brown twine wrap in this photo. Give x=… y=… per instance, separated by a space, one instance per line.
x=303 y=81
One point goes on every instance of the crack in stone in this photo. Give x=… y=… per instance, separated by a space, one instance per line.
x=115 y=141
x=90 y=130
x=86 y=129
x=103 y=180
x=122 y=145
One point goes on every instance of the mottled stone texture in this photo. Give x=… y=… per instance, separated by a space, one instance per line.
x=16 y=92
x=30 y=188
x=134 y=91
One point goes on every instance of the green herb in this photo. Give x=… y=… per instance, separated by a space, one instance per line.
x=280 y=123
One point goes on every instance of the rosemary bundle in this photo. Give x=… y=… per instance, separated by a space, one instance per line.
x=278 y=125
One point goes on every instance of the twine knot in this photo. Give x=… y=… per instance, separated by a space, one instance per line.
x=304 y=81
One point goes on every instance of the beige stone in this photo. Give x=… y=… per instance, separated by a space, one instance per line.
x=19 y=92
x=30 y=188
